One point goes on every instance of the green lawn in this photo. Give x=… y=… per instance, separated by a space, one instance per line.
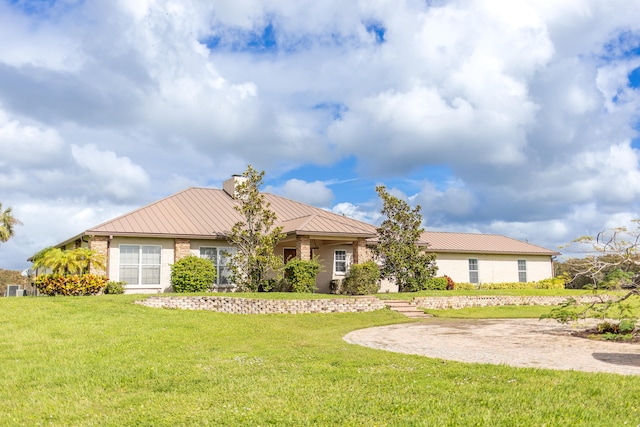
x=75 y=361
x=495 y=312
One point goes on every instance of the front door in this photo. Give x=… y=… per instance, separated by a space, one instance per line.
x=288 y=253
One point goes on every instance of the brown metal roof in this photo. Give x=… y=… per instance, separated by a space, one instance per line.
x=210 y=213
x=479 y=243
x=206 y=212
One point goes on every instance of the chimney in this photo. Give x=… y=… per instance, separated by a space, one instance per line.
x=229 y=186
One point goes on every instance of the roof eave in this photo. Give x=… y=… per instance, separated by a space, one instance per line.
x=216 y=236
x=329 y=234
x=476 y=251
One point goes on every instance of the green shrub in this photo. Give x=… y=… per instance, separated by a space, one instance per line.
x=192 y=274
x=115 y=287
x=300 y=275
x=435 y=284
x=54 y=284
x=627 y=326
x=362 y=279
x=555 y=283
x=335 y=286
x=466 y=286
x=617 y=279
x=272 y=285
x=608 y=328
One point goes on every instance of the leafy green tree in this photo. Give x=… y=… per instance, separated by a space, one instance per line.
x=402 y=259
x=66 y=262
x=192 y=274
x=255 y=237
x=7 y=224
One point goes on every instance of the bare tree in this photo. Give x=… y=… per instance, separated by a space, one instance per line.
x=611 y=261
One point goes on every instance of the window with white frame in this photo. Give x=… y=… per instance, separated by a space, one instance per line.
x=140 y=264
x=220 y=256
x=340 y=262
x=522 y=270
x=473 y=270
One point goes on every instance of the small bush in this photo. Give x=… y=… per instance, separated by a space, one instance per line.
x=555 y=283
x=274 y=285
x=608 y=328
x=451 y=285
x=466 y=286
x=362 y=279
x=627 y=326
x=300 y=275
x=335 y=286
x=280 y=285
x=192 y=274
x=54 y=284
x=115 y=287
x=436 y=284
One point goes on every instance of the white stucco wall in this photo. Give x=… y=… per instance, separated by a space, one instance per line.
x=166 y=259
x=327 y=273
x=491 y=268
x=494 y=268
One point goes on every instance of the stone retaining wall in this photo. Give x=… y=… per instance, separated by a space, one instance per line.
x=347 y=305
x=265 y=306
x=442 y=303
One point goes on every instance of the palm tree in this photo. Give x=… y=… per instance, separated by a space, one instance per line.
x=87 y=258
x=54 y=259
x=66 y=262
x=7 y=222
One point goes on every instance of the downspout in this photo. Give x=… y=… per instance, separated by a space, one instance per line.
x=108 y=260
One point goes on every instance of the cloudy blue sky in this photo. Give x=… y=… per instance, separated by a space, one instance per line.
x=512 y=117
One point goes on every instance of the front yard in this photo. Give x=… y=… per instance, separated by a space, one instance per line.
x=105 y=361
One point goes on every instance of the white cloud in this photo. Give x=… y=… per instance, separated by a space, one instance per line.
x=314 y=193
x=37 y=44
x=526 y=103
x=115 y=176
x=455 y=200
x=357 y=212
x=28 y=145
x=46 y=223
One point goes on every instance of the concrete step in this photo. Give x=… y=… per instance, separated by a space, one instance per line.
x=406 y=308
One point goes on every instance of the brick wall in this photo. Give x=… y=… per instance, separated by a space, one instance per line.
x=361 y=253
x=182 y=248
x=100 y=245
x=265 y=306
x=442 y=303
x=303 y=247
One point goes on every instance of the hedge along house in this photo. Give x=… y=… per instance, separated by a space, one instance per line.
x=140 y=246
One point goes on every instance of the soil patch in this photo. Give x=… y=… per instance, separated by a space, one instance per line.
x=513 y=342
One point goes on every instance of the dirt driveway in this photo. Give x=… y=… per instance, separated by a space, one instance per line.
x=514 y=342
